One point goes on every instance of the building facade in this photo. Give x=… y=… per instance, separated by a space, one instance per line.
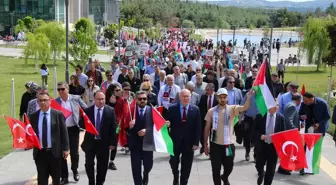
x=99 y=11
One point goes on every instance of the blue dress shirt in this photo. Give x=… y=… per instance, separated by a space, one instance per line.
x=40 y=126
x=252 y=111
x=181 y=109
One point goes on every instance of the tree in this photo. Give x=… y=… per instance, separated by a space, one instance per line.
x=28 y=23
x=331 y=10
x=56 y=35
x=19 y=26
x=266 y=32
x=187 y=24
x=316 y=40
x=37 y=47
x=111 y=33
x=82 y=48
x=85 y=25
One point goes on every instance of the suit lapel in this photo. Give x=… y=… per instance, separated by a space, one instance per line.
x=189 y=113
x=179 y=111
x=104 y=114
x=53 y=124
x=36 y=122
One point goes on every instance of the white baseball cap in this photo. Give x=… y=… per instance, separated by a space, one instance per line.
x=221 y=91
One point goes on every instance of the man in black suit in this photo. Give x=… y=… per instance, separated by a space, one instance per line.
x=104 y=119
x=49 y=126
x=162 y=81
x=207 y=101
x=185 y=131
x=264 y=126
x=141 y=140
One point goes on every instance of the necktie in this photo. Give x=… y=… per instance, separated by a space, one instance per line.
x=209 y=103
x=45 y=131
x=98 y=123
x=184 y=117
x=169 y=91
x=141 y=113
x=270 y=129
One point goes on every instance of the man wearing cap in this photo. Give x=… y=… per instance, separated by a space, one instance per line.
x=277 y=86
x=287 y=97
x=123 y=75
x=219 y=120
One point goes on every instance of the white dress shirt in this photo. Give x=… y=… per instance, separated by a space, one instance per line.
x=69 y=121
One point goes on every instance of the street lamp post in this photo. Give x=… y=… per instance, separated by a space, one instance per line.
x=234 y=36
x=67 y=40
x=119 y=36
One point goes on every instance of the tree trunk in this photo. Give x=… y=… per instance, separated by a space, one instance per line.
x=36 y=66
x=55 y=75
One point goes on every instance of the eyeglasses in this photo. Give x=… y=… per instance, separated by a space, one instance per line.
x=231 y=82
x=145 y=89
x=109 y=75
x=90 y=80
x=127 y=89
x=142 y=99
x=43 y=100
x=117 y=90
x=254 y=71
x=60 y=89
x=144 y=80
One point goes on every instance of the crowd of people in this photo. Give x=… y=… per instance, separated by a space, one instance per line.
x=202 y=96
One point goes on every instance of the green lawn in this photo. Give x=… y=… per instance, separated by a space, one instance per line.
x=315 y=82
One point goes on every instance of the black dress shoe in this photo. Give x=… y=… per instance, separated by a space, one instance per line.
x=283 y=171
x=64 y=181
x=260 y=179
x=302 y=172
x=145 y=179
x=239 y=140
x=76 y=176
x=201 y=150
x=247 y=157
x=112 y=166
x=176 y=182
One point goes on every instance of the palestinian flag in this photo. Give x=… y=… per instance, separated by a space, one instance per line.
x=162 y=141
x=236 y=120
x=313 y=152
x=264 y=90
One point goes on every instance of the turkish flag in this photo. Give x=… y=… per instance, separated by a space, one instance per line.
x=18 y=131
x=303 y=90
x=127 y=115
x=87 y=123
x=31 y=136
x=289 y=147
x=55 y=105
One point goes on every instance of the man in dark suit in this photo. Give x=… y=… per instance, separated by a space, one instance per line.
x=185 y=131
x=207 y=101
x=141 y=140
x=264 y=126
x=104 y=119
x=71 y=103
x=291 y=115
x=49 y=126
x=162 y=81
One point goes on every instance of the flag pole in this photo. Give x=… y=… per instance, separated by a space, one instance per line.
x=12 y=109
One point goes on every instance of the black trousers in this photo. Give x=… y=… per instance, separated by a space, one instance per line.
x=248 y=125
x=47 y=165
x=218 y=158
x=113 y=153
x=138 y=157
x=186 y=162
x=281 y=75
x=73 y=133
x=101 y=153
x=266 y=154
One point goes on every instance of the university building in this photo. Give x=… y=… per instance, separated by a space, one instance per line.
x=101 y=12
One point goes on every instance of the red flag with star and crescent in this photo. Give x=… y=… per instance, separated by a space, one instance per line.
x=18 y=131
x=87 y=123
x=31 y=136
x=55 y=105
x=289 y=147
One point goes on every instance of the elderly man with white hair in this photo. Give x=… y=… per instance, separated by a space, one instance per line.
x=167 y=93
x=180 y=79
x=195 y=98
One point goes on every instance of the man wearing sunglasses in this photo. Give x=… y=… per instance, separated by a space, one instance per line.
x=109 y=81
x=71 y=103
x=140 y=141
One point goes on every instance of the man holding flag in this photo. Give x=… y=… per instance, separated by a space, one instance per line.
x=72 y=104
x=221 y=119
x=49 y=125
x=141 y=140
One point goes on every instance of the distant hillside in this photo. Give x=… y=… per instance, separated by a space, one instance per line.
x=297 y=6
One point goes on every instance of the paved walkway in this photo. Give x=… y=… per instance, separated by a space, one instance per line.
x=18 y=168
x=284 y=53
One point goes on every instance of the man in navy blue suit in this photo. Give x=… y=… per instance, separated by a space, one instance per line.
x=184 y=120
